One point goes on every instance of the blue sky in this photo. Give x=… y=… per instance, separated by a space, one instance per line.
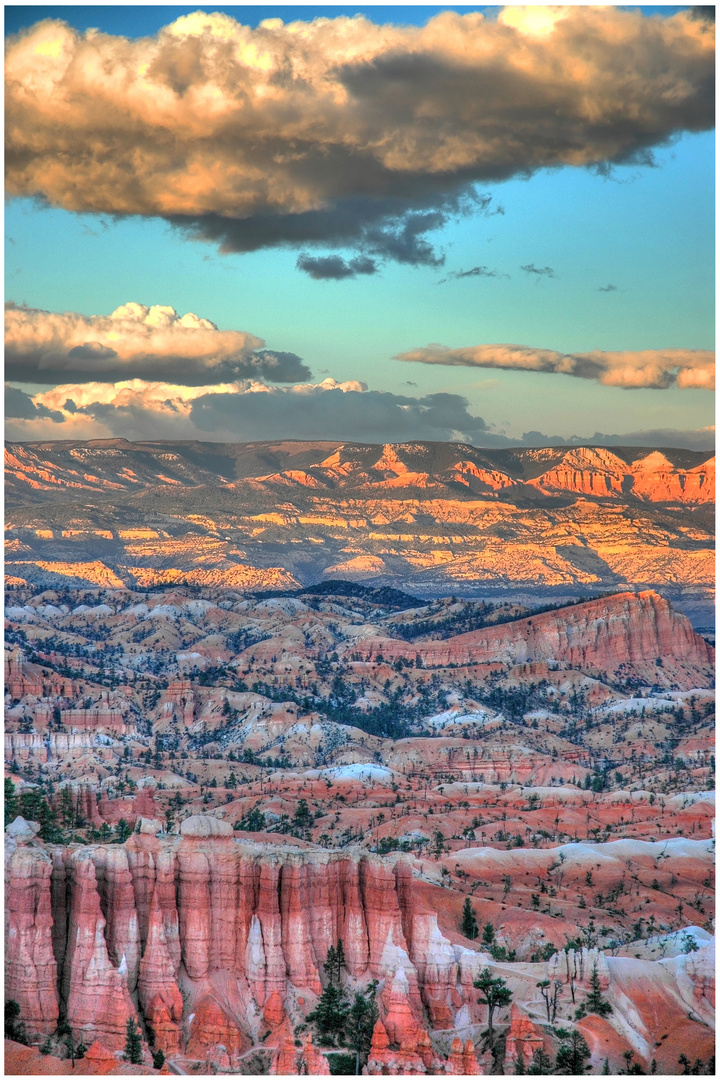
x=647 y=230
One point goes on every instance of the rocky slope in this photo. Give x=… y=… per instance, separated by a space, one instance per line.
x=435 y=516
x=218 y=945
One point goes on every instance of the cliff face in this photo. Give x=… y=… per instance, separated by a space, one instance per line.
x=107 y=932
x=216 y=946
x=628 y=628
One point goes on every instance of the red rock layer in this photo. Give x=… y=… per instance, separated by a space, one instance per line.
x=30 y=965
x=627 y=628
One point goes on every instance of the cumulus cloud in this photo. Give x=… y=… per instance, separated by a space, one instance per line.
x=340 y=131
x=648 y=368
x=245 y=412
x=136 y=341
x=252 y=411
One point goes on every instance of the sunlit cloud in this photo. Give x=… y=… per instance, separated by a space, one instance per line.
x=341 y=131
x=656 y=369
x=136 y=341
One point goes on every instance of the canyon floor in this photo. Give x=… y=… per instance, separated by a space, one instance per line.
x=290 y=832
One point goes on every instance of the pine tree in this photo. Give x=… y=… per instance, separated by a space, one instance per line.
x=158 y=1059
x=14 y=1026
x=469 y=926
x=495 y=994
x=330 y=1014
x=123 y=832
x=361 y=1020
x=572 y=1055
x=595 y=1002
x=340 y=953
x=488 y=934
x=519 y=1064
x=11 y=801
x=331 y=964
x=541 y=1064
x=133 y=1043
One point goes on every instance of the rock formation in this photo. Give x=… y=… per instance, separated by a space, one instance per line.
x=623 y=629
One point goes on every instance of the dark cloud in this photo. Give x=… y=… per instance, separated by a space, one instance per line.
x=347 y=134
x=693 y=439
x=338 y=414
x=539 y=271
x=20 y=406
x=334 y=267
x=475 y=271
x=341 y=411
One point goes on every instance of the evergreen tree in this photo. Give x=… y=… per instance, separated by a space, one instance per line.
x=47 y=1047
x=519 y=1064
x=80 y=1050
x=469 y=926
x=495 y=994
x=541 y=1064
x=14 y=1026
x=330 y=1014
x=331 y=965
x=595 y=1002
x=572 y=1055
x=11 y=801
x=334 y=963
x=133 y=1043
x=123 y=832
x=488 y=934
x=158 y=1059
x=605 y=1068
x=361 y=1020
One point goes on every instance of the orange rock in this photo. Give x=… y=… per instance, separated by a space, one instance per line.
x=274 y=1011
x=212 y=1027
x=522 y=1039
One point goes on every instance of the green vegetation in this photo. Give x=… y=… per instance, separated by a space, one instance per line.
x=495 y=994
x=133 y=1043
x=469 y=926
x=14 y=1026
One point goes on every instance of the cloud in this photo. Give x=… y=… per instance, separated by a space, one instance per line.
x=252 y=411
x=475 y=271
x=697 y=439
x=19 y=405
x=539 y=271
x=607 y=288
x=338 y=131
x=335 y=268
x=247 y=411
x=136 y=342
x=649 y=368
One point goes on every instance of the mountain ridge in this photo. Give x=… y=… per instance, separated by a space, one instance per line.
x=433 y=518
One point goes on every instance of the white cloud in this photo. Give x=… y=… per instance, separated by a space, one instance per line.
x=135 y=341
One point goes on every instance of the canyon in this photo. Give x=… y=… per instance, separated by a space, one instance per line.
x=209 y=790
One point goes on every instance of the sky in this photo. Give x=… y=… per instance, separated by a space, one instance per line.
x=494 y=225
